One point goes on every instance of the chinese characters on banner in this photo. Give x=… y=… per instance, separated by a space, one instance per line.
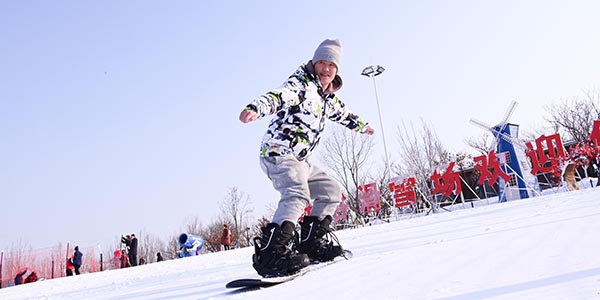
x=484 y=163
x=448 y=183
x=404 y=192
x=542 y=162
x=370 y=198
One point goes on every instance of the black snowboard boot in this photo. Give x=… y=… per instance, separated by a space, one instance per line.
x=315 y=239
x=275 y=253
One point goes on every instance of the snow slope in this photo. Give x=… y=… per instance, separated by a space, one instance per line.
x=542 y=248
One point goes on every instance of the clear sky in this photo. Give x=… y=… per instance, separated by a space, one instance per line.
x=120 y=116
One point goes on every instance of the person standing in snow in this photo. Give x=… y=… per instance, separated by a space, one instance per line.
x=300 y=108
x=77 y=260
x=132 y=243
x=226 y=237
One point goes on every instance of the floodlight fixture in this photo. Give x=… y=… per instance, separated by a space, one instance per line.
x=372 y=71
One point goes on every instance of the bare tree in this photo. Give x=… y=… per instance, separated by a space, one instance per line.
x=149 y=245
x=18 y=256
x=236 y=208
x=172 y=246
x=346 y=155
x=193 y=225
x=574 y=118
x=482 y=143
x=57 y=255
x=420 y=153
x=382 y=180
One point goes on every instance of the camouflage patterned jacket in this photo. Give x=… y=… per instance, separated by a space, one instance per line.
x=301 y=107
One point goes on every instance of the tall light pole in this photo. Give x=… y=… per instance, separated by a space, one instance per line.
x=372 y=71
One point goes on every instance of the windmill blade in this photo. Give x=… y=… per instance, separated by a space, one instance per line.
x=482 y=124
x=488 y=127
x=509 y=112
x=507 y=115
x=498 y=134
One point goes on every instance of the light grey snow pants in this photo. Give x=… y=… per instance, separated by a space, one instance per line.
x=298 y=182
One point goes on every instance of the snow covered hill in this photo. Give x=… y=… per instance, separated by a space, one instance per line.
x=542 y=248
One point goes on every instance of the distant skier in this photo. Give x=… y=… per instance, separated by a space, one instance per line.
x=300 y=108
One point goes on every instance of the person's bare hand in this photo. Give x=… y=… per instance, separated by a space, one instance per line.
x=248 y=116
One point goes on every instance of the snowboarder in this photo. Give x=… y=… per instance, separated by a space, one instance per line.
x=300 y=107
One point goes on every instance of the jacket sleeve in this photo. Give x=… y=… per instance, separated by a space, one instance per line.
x=281 y=98
x=340 y=113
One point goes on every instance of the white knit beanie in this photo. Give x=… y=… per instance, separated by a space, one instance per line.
x=329 y=50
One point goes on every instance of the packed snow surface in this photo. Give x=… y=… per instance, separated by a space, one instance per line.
x=541 y=248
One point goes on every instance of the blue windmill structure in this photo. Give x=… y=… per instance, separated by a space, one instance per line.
x=513 y=160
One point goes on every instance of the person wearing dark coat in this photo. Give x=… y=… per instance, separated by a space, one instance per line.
x=131 y=242
x=159 y=257
x=133 y=250
x=77 y=260
x=19 y=277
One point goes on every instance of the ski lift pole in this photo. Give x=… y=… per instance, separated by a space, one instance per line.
x=372 y=71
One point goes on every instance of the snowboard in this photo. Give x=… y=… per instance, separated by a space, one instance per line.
x=271 y=281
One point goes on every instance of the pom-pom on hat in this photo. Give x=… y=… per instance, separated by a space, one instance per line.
x=329 y=50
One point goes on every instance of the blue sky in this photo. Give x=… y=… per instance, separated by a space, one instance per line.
x=120 y=116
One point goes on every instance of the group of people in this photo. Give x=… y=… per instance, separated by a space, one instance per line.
x=73 y=265
x=74 y=262
x=131 y=245
x=127 y=255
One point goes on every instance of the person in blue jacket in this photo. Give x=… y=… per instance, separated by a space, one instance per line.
x=77 y=260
